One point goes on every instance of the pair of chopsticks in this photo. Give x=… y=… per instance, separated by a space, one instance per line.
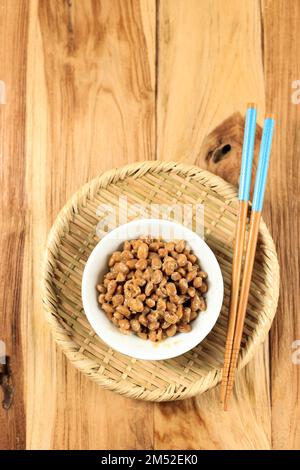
x=239 y=297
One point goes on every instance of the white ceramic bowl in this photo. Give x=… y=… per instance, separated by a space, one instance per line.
x=132 y=345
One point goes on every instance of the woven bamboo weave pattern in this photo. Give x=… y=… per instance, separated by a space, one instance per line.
x=72 y=239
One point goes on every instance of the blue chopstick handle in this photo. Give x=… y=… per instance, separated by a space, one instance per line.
x=247 y=154
x=263 y=164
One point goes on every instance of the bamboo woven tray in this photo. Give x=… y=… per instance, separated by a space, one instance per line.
x=73 y=237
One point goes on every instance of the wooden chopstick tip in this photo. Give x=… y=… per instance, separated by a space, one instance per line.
x=227 y=401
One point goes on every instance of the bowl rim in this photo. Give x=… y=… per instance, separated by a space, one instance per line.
x=170 y=347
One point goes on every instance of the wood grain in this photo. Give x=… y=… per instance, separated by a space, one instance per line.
x=13 y=38
x=91 y=106
x=194 y=100
x=221 y=150
x=282 y=211
x=201 y=423
x=209 y=64
x=93 y=84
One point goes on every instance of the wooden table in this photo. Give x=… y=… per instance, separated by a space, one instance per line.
x=93 y=84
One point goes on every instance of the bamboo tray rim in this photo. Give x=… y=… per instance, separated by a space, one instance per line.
x=62 y=337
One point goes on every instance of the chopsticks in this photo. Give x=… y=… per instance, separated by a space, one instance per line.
x=244 y=193
x=257 y=204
